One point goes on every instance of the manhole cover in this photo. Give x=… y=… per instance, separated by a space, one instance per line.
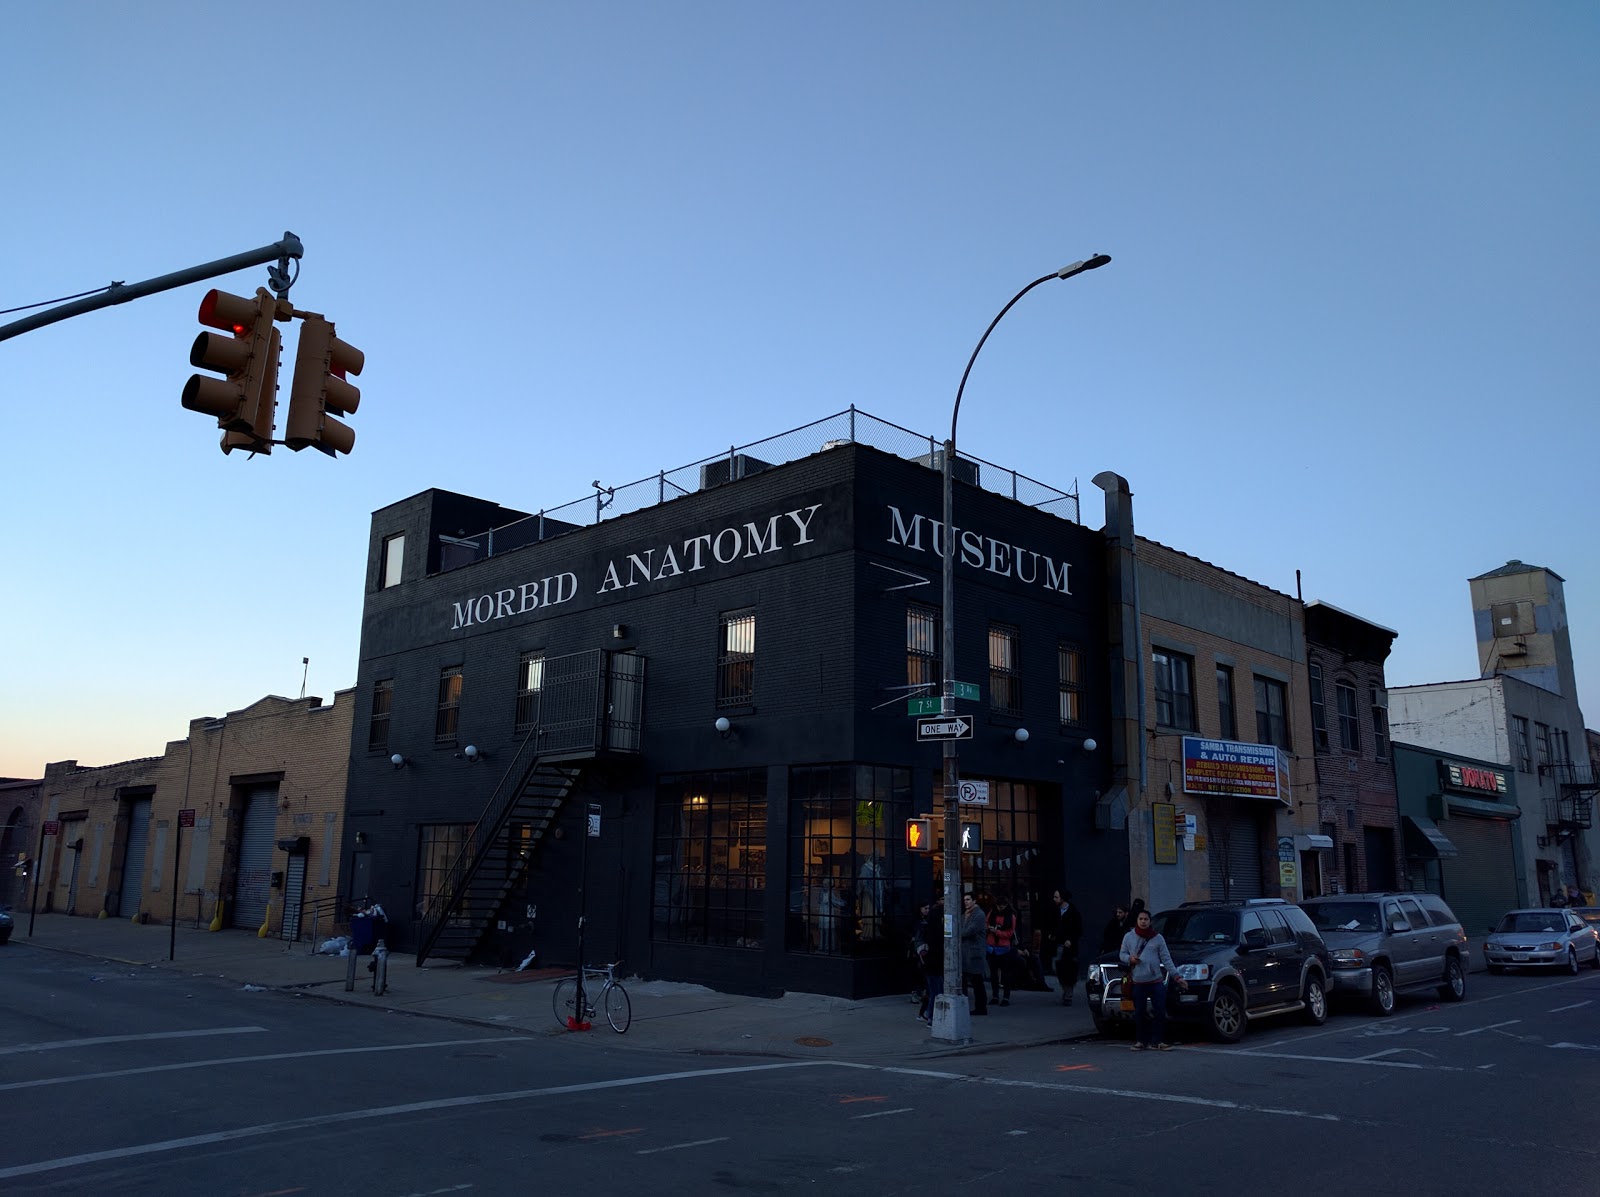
x=813 y=1041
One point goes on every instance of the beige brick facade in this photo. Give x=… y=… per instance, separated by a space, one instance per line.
x=291 y=752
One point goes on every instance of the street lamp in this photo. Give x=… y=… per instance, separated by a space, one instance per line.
x=952 y=1022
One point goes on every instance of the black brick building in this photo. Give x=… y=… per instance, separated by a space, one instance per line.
x=512 y=686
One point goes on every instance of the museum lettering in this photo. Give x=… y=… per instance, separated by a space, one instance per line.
x=982 y=552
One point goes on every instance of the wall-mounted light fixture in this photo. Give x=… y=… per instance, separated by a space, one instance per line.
x=398 y=761
x=1020 y=735
x=723 y=726
x=472 y=753
x=1087 y=745
x=361 y=839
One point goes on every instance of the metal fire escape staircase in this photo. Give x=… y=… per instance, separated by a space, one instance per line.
x=590 y=705
x=1573 y=811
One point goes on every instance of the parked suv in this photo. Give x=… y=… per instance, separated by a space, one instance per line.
x=1243 y=960
x=1383 y=943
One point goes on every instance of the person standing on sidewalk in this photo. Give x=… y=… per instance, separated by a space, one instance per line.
x=1001 y=947
x=930 y=957
x=1144 y=953
x=1116 y=927
x=1068 y=931
x=974 y=939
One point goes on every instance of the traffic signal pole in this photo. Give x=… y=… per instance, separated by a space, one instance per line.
x=278 y=279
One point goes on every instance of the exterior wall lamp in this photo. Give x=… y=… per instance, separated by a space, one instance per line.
x=724 y=726
x=398 y=761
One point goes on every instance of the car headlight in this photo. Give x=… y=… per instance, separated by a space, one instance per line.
x=1553 y=946
x=1195 y=972
x=1348 y=957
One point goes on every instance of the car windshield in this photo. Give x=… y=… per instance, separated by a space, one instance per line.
x=1198 y=926
x=1343 y=916
x=1523 y=922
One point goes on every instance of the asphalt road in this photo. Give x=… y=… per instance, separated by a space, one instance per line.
x=116 y=1080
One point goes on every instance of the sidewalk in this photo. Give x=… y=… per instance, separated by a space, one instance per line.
x=667 y=1016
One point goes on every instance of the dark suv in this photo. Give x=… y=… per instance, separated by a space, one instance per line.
x=1242 y=960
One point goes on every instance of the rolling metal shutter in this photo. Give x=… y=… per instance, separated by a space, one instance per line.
x=1235 y=849
x=1480 y=884
x=133 y=858
x=253 y=884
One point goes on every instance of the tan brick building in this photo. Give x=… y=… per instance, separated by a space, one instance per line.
x=266 y=789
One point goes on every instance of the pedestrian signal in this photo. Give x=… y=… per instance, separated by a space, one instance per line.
x=919 y=835
x=972 y=837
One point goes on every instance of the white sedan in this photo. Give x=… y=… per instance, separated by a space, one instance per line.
x=1542 y=938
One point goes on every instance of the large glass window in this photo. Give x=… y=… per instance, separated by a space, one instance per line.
x=382 y=702
x=1541 y=739
x=1174 y=682
x=1272 y=723
x=394 y=558
x=736 y=659
x=1349 y=720
x=1319 y=709
x=1005 y=669
x=849 y=872
x=1069 y=665
x=439 y=845
x=530 y=685
x=710 y=883
x=448 y=718
x=1227 y=717
x=922 y=646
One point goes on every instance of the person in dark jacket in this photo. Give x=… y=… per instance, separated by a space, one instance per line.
x=1116 y=927
x=974 y=938
x=1134 y=912
x=930 y=957
x=1067 y=935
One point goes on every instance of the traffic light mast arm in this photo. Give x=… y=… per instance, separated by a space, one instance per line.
x=281 y=251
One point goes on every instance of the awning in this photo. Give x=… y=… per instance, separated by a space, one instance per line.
x=1314 y=843
x=1423 y=838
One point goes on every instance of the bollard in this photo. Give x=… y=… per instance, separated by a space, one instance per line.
x=350 y=974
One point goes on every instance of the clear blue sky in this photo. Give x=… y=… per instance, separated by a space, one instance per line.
x=1350 y=327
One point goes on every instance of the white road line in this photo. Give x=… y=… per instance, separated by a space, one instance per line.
x=1510 y=1022
x=681 y=1146
x=1582 y=1047
x=1574 y=1006
x=1369 y=1061
x=885 y=1113
x=228 y=1061
x=60 y=1043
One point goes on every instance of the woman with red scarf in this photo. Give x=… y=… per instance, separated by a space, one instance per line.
x=1144 y=954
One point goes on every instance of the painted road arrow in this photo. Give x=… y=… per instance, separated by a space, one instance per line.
x=943 y=729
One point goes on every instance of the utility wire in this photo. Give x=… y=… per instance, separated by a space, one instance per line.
x=63 y=299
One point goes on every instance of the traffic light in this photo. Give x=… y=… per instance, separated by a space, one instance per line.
x=972 y=837
x=245 y=398
x=321 y=364
x=919 y=835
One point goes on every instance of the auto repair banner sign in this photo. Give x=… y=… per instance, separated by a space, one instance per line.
x=1235 y=768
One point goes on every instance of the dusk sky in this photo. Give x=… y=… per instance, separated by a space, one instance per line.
x=1349 y=327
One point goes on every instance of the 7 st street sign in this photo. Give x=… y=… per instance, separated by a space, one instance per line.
x=943 y=729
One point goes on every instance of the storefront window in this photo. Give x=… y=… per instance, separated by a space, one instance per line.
x=710 y=883
x=849 y=873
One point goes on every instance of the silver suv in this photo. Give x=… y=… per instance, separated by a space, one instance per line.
x=1388 y=942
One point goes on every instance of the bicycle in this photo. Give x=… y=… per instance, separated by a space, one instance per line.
x=601 y=990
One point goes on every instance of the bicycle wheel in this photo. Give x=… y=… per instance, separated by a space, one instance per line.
x=565 y=1002
x=619 y=1010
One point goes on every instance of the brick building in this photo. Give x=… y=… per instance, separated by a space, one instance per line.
x=19 y=837
x=265 y=786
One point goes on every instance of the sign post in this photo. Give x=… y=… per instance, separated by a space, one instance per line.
x=578 y=1021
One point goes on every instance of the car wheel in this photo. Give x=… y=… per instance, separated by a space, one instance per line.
x=1455 y=980
x=1100 y=1025
x=1572 y=961
x=1227 y=1015
x=1382 y=991
x=1316 y=999
x=1496 y=969
x=1595 y=963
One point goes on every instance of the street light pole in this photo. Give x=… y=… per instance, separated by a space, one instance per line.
x=952 y=1022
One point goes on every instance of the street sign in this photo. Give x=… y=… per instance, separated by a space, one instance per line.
x=943 y=729
x=186 y=818
x=967 y=691
x=594 y=820
x=973 y=793
x=972 y=837
x=922 y=706
x=52 y=826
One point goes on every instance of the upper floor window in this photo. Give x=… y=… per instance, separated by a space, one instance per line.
x=922 y=646
x=382 y=701
x=530 y=685
x=1319 y=710
x=1521 y=744
x=1174 y=683
x=1005 y=669
x=1349 y=722
x=1560 y=746
x=394 y=559
x=1069 y=666
x=736 y=658
x=1380 y=722
x=448 y=718
x=1542 y=739
x=1272 y=723
x=1227 y=718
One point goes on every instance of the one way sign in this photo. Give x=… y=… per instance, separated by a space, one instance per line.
x=943 y=729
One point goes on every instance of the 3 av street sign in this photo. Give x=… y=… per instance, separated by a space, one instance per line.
x=943 y=729
x=967 y=691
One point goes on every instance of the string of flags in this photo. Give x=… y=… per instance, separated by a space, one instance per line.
x=1006 y=862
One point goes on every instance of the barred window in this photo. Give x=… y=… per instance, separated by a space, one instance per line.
x=382 y=702
x=1069 y=666
x=922 y=646
x=449 y=715
x=438 y=847
x=736 y=659
x=710 y=878
x=530 y=685
x=1005 y=669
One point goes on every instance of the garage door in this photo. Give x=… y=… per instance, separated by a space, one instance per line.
x=253 y=884
x=1480 y=884
x=1235 y=849
x=133 y=858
